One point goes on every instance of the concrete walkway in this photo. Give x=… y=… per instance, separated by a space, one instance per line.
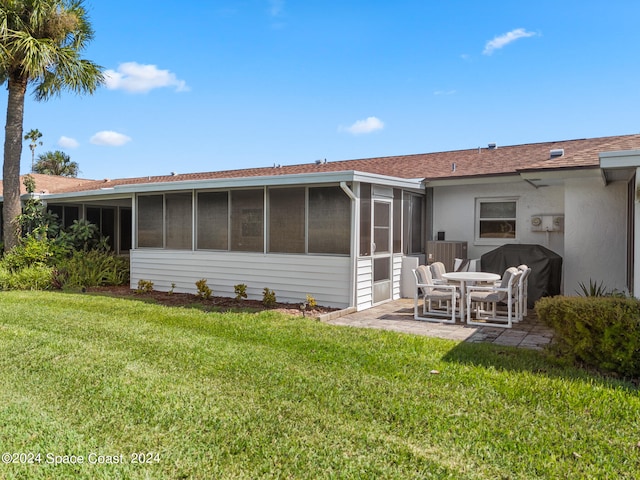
x=398 y=316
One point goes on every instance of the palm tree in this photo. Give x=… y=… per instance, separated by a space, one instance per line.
x=34 y=136
x=56 y=163
x=40 y=44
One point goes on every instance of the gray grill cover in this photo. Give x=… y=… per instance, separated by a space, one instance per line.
x=546 y=267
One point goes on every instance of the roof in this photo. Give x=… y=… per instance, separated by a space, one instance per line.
x=456 y=164
x=53 y=183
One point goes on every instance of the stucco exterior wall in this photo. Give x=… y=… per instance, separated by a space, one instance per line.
x=454 y=213
x=595 y=234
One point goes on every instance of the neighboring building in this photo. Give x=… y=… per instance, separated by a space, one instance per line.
x=339 y=231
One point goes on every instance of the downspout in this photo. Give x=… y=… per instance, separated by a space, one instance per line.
x=354 y=242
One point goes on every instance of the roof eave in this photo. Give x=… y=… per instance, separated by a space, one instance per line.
x=245 y=182
x=472 y=180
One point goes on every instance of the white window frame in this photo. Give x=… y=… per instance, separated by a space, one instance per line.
x=497 y=240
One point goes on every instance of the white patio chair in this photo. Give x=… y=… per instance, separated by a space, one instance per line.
x=523 y=286
x=437 y=270
x=461 y=265
x=506 y=292
x=430 y=292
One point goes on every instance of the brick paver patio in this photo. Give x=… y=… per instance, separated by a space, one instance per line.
x=398 y=316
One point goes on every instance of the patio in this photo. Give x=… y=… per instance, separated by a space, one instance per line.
x=398 y=316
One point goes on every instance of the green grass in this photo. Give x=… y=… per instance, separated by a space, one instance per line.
x=269 y=396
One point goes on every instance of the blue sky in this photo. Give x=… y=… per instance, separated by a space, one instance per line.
x=224 y=84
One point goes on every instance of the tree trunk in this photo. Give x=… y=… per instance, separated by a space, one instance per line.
x=11 y=167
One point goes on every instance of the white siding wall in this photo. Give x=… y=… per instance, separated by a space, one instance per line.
x=454 y=213
x=291 y=277
x=364 y=283
x=396 y=276
x=595 y=234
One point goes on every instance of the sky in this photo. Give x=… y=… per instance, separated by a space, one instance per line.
x=224 y=84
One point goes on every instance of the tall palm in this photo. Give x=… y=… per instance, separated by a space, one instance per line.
x=56 y=163
x=34 y=135
x=40 y=44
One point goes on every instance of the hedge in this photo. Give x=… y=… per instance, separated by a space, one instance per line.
x=599 y=331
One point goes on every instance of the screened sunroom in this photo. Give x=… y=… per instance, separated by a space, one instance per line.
x=338 y=237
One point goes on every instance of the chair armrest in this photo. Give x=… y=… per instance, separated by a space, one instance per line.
x=442 y=287
x=486 y=289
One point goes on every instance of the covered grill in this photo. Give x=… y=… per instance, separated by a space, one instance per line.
x=546 y=267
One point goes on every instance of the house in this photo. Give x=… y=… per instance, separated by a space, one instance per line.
x=341 y=231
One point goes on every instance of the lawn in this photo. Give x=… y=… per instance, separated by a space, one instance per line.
x=87 y=381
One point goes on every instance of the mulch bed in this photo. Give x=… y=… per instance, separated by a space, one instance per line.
x=212 y=304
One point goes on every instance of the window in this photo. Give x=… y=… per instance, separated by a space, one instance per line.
x=150 y=220
x=496 y=219
x=213 y=220
x=397 y=220
x=286 y=220
x=329 y=220
x=66 y=214
x=125 y=229
x=299 y=220
x=365 y=219
x=164 y=221
x=105 y=220
x=413 y=223
x=178 y=218
x=247 y=220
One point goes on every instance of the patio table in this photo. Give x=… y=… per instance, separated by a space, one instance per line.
x=463 y=278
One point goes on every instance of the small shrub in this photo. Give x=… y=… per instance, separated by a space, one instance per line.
x=33 y=277
x=268 y=297
x=594 y=289
x=203 y=289
x=30 y=251
x=599 y=331
x=240 y=290
x=144 y=286
x=92 y=269
x=311 y=302
x=173 y=286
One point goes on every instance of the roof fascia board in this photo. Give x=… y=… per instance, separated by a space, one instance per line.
x=560 y=173
x=619 y=165
x=121 y=191
x=484 y=180
x=620 y=159
x=89 y=195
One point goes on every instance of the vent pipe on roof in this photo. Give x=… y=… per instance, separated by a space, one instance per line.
x=492 y=146
x=558 y=152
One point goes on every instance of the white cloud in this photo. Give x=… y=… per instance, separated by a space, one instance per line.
x=134 y=77
x=370 y=124
x=110 y=138
x=66 y=142
x=444 y=92
x=505 y=39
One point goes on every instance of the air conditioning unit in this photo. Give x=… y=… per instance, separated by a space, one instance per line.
x=547 y=223
x=446 y=252
x=557 y=223
x=536 y=223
